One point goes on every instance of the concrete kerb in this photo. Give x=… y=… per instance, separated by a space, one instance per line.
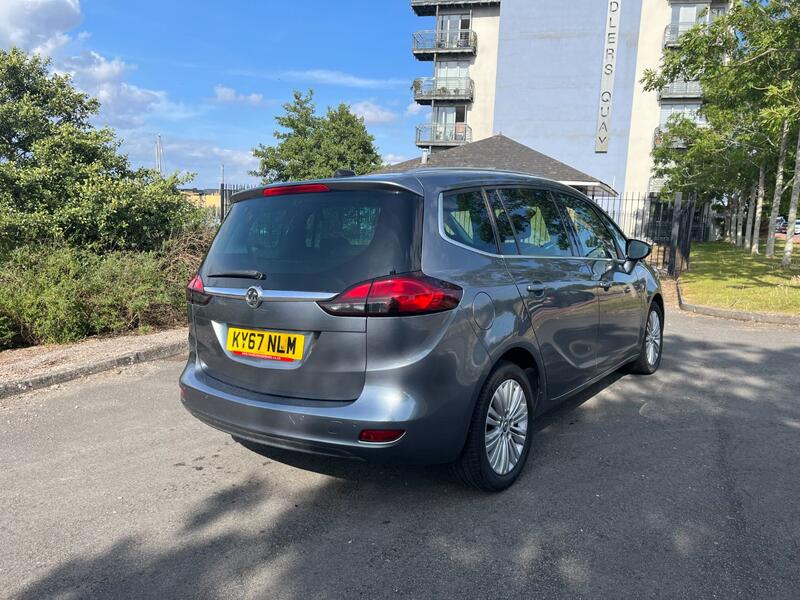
x=20 y=386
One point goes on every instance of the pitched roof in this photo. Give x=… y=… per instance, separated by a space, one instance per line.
x=502 y=153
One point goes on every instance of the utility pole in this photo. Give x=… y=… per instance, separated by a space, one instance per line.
x=159 y=154
x=222 y=192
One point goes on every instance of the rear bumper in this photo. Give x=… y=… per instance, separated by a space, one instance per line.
x=433 y=434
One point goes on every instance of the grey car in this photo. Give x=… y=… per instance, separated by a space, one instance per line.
x=422 y=317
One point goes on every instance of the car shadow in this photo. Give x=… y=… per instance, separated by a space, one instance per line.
x=681 y=484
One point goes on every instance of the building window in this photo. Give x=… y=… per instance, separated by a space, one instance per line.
x=453 y=22
x=688 y=13
x=453 y=30
x=452 y=69
x=716 y=12
x=687 y=110
x=449 y=123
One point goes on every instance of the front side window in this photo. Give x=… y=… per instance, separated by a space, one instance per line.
x=536 y=222
x=616 y=233
x=465 y=220
x=594 y=239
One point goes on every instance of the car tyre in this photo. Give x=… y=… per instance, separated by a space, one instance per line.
x=493 y=436
x=652 y=344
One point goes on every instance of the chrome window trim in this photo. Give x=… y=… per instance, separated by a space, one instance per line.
x=271 y=295
x=446 y=238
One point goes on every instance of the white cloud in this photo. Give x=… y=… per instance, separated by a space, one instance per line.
x=42 y=26
x=393 y=159
x=414 y=109
x=228 y=94
x=38 y=25
x=373 y=113
x=90 y=66
x=324 y=77
x=123 y=104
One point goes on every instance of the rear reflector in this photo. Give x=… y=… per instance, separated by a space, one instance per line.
x=195 y=292
x=380 y=436
x=395 y=295
x=305 y=188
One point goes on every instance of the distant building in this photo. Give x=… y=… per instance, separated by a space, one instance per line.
x=560 y=77
x=208 y=197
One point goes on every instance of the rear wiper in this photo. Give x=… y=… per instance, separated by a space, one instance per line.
x=242 y=274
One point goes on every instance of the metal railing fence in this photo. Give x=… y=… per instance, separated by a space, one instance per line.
x=443 y=88
x=452 y=134
x=432 y=40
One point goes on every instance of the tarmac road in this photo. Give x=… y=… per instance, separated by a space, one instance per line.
x=685 y=484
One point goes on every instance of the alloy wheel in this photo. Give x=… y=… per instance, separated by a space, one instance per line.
x=653 y=338
x=506 y=426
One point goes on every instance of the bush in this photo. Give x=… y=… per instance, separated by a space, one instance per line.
x=62 y=294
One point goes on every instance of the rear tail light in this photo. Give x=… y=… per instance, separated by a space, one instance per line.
x=380 y=436
x=305 y=188
x=195 y=292
x=395 y=295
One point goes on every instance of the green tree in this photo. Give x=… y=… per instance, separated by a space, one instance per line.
x=62 y=180
x=747 y=62
x=313 y=147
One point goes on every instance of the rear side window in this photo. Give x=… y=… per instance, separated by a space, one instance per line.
x=595 y=240
x=319 y=242
x=536 y=222
x=465 y=220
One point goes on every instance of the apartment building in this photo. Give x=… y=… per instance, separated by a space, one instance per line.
x=560 y=77
x=462 y=45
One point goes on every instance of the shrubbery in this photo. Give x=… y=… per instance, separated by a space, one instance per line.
x=88 y=244
x=61 y=294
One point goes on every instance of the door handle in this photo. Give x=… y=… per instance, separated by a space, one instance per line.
x=536 y=288
x=627 y=289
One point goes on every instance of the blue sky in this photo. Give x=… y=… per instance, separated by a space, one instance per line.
x=209 y=77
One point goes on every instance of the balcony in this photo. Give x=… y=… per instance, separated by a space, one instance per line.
x=674 y=31
x=681 y=89
x=427 y=44
x=427 y=8
x=658 y=140
x=455 y=134
x=655 y=185
x=428 y=89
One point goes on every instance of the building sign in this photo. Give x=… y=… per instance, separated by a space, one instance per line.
x=610 y=46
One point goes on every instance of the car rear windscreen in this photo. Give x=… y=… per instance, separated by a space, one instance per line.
x=321 y=241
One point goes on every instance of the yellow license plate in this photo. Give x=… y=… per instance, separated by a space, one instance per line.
x=265 y=344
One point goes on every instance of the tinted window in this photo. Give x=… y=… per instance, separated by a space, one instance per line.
x=319 y=242
x=466 y=221
x=536 y=222
x=594 y=238
x=616 y=233
x=508 y=244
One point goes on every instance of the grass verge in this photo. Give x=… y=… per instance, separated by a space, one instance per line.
x=724 y=276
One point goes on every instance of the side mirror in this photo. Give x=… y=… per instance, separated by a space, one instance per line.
x=637 y=250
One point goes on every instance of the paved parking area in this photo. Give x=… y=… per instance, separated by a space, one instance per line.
x=685 y=484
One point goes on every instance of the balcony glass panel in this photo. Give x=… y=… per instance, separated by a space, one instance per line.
x=443 y=88
x=460 y=40
x=444 y=134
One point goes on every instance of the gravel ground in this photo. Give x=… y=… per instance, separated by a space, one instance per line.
x=680 y=485
x=24 y=363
